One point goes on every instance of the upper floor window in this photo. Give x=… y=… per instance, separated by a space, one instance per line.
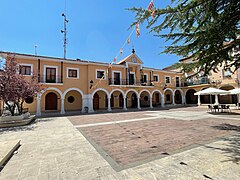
x=155 y=78
x=145 y=78
x=177 y=81
x=167 y=80
x=72 y=73
x=25 y=69
x=227 y=73
x=100 y=74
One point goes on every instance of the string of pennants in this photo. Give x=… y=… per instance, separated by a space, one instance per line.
x=151 y=9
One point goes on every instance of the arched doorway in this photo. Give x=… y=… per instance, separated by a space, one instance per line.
x=117 y=100
x=156 y=99
x=100 y=100
x=190 y=97
x=132 y=101
x=228 y=99
x=178 y=97
x=145 y=99
x=120 y=100
x=168 y=96
x=51 y=101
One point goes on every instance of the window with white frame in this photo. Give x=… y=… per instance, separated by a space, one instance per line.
x=167 y=80
x=100 y=74
x=72 y=72
x=155 y=78
x=25 y=69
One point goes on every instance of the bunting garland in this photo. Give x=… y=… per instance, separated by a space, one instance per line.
x=121 y=51
x=137 y=30
x=128 y=41
x=150 y=8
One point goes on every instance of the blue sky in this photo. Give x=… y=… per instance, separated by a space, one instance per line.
x=96 y=30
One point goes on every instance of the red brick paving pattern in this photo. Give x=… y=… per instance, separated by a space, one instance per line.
x=136 y=141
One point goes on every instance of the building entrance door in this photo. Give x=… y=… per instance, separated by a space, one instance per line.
x=96 y=101
x=51 y=101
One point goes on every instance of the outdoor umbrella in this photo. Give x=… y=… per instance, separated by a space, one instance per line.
x=237 y=92
x=212 y=91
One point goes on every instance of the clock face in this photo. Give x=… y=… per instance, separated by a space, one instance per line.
x=134 y=60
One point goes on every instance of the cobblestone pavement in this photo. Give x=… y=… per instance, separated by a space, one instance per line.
x=54 y=149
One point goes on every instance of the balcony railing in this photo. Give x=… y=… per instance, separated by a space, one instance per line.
x=190 y=82
x=52 y=79
x=113 y=81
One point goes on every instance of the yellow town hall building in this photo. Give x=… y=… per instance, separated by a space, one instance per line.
x=86 y=86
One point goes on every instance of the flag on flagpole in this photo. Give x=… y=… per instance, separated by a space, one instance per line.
x=121 y=51
x=128 y=41
x=137 y=30
x=115 y=59
x=151 y=6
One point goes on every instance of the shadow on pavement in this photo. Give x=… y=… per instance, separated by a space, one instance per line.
x=232 y=148
x=17 y=129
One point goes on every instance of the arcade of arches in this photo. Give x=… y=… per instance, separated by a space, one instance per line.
x=74 y=100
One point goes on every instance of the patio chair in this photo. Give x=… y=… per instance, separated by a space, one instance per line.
x=209 y=108
x=228 y=108
x=216 y=107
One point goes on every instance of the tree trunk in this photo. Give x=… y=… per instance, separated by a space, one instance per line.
x=11 y=107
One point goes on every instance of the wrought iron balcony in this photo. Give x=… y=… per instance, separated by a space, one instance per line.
x=113 y=81
x=50 y=79
x=192 y=82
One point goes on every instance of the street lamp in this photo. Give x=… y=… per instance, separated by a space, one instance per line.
x=91 y=84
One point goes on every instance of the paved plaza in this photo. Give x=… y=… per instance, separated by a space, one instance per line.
x=181 y=143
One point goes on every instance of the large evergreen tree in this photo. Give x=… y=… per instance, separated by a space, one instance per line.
x=206 y=30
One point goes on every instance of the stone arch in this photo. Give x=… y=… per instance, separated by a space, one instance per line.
x=130 y=91
x=114 y=90
x=190 y=97
x=72 y=89
x=99 y=99
x=156 y=100
x=168 y=97
x=131 y=100
x=178 y=96
x=117 y=99
x=101 y=89
x=51 y=97
x=53 y=89
x=145 y=90
x=73 y=98
x=144 y=99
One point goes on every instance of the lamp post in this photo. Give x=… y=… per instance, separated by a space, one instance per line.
x=91 y=84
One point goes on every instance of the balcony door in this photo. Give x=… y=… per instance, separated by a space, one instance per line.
x=131 y=79
x=117 y=78
x=51 y=75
